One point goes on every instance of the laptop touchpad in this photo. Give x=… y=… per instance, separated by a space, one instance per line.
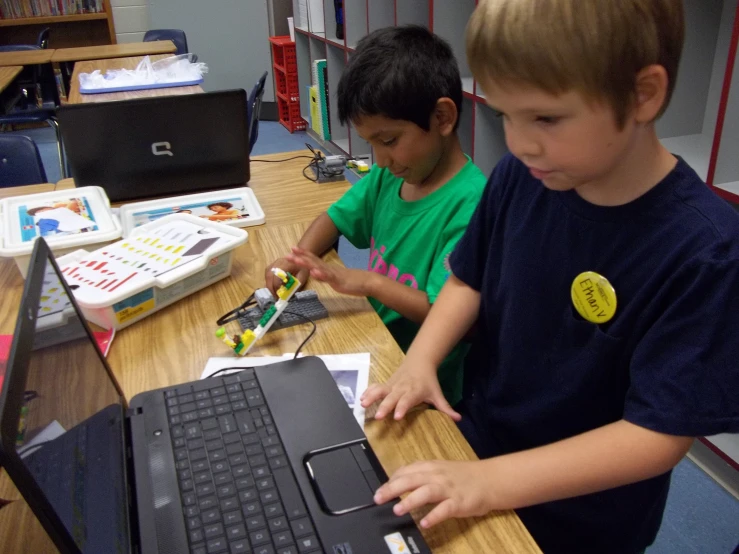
x=343 y=479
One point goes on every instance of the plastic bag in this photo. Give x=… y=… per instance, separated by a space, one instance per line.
x=174 y=70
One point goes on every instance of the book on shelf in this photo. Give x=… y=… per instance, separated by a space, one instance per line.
x=318 y=79
x=18 y=9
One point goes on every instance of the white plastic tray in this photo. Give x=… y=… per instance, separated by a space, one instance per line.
x=235 y=207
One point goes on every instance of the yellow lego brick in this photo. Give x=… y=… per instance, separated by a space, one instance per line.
x=283 y=293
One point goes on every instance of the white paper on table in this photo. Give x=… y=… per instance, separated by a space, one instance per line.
x=68 y=220
x=350 y=372
x=48 y=433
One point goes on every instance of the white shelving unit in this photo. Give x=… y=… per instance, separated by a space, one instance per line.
x=701 y=125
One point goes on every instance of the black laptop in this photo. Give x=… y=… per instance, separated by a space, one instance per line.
x=269 y=460
x=158 y=146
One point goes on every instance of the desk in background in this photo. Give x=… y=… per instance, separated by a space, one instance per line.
x=25 y=57
x=7 y=74
x=173 y=345
x=75 y=97
x=66 y=57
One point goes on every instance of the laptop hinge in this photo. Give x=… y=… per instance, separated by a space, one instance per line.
x=131 y=483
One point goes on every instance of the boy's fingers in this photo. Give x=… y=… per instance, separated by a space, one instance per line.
x=444 y=407
x=405 y=403
x=387 y=405
x=373 y=394
x=422 y=493
x=442 y=512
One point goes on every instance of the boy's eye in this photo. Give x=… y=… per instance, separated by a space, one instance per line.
x=547 y=120
x=497 y=113
x=388 y=142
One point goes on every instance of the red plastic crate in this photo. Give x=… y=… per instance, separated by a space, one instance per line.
x=283 y=54
x=287 y=86
x=290 y=115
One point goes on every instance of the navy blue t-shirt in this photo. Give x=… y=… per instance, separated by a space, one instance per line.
x=540 y=373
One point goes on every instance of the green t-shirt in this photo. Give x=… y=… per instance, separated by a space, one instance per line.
x=410 y=242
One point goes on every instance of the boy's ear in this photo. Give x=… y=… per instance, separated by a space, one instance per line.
x=446 y=115
x=652 y=83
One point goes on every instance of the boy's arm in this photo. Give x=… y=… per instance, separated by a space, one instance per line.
x=611 y=456
x=411 y=303
x=415 y=381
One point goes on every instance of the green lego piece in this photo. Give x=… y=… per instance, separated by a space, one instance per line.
x=290 y=281
x=239 y=348
x=267 y=316
x=221 y=332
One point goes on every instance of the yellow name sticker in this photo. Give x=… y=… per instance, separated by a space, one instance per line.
x=593 y=297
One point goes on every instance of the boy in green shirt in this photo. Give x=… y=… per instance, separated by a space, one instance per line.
x=402 y=92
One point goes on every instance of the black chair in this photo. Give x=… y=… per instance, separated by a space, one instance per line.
x=20 y=162
x=39 y=99
x=253 y=109
x=175 y=35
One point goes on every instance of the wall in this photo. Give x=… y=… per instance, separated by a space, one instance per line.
x=231 y=36
x=131 y=19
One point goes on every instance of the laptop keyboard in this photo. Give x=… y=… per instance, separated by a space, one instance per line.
x=238 y=491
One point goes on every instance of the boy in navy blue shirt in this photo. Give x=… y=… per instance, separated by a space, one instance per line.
x=602 y=276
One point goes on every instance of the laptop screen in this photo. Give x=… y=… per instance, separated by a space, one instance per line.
x=70 y=434
x=158 y=146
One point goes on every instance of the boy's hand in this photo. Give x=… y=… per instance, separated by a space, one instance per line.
x=355 y=282
x=410 y=385
x=273 y=283
x=459 y=489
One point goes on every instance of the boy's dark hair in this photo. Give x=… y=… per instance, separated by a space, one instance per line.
x=225 y=205
x=400 y=73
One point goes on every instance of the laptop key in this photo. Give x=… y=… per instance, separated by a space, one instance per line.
x=202 y=478
x=193 y=523
x=227 y=423
x=239 y=405
x=248 y=495
x=189 y=499
x=198 y=549
x=205 y=490
x=212 y=434
x=218 y=400
x=222 y=479
x=200 y=465
x=245 y=482
x=283 y=538
x=236 y=532
x=308 y=544
x=235 y=448
x=202 y=395
x=264 y=549
x=211 y=516
x=287 y=550
x=195 y=443
x=218 y=391
x=301 y=527
x=198 y=454
x=213 y=530
x=223 y=409
x=226 y=490
x=245 y=422
x=232 y=518
x=177 y=431
x=254 y=449
x=217 y=456
x=270 y=441
x=258 y=460
x=214 y=444
x=233 y=387
x=278 y=524
x=208 y=502
x=273 y=510
x=209 y=424
x=265 y=484
x=192 y=431
x=269 y=496
x=278 y=462
x=240 y=547
x=258 y=472
x=273 y=451
x=240 y=471
x=217 y=545
x=206 y=384
x=291 y=499
x=230 y=438
x=187 y=398
x=192 y=511
x=256 y=522
x=228 y=504
x=259 y=537
x=206 y=412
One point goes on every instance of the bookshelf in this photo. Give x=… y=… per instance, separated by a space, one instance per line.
x=67 y=31
x=701 y=125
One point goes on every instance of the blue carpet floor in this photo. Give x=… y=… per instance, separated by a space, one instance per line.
x=701 y=517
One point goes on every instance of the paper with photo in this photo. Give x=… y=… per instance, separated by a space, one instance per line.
x=350 y=372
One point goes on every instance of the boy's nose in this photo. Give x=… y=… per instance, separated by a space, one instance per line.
x=382 y=159
x=520 y=144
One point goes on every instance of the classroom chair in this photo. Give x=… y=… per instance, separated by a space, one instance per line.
x=253 y=109
x=175 y=35
x=20 y=162
x=39 y=99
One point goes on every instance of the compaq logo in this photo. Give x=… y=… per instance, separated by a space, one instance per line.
x=161 y=149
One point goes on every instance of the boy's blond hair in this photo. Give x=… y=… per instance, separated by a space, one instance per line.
x=596 y=47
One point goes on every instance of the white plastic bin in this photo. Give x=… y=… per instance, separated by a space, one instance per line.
x=157 y=264
x=236 y=207
x=67 y=219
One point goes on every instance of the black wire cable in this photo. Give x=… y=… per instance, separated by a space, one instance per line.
x=280 y=161
x=310 y=335
x=234 y=314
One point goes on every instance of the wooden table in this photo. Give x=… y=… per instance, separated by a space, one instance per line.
x=173 y=345
x=75 y=97
x=113 y=51
x=7 y=74
x=26 y=57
